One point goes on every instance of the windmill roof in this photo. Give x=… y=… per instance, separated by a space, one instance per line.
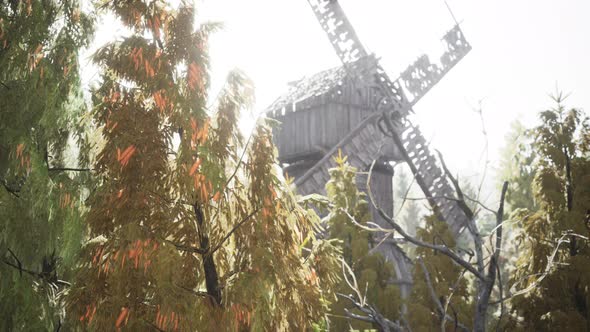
x=310 y=87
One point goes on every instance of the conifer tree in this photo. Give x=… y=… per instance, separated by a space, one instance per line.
x=554 y=262
x=374 y=275
x=40 y=193
x=437 y=275
x=190 y=229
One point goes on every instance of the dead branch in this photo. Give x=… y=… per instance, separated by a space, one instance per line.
x=397 y=228
x=372 y=315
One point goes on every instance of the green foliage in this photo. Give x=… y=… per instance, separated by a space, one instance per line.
x=516 y=167
x=372 y=272
x=40 y=205
x=559 y=299
x=446 y=278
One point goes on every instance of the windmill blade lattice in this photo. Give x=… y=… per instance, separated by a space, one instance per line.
x=415 y=82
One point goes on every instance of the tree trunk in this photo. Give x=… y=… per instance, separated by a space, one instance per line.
x=484 y=290
x=211 y=275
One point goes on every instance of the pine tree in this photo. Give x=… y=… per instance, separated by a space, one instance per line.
x=560 y=284
x=190 y=229
x=40 y=202
x=373 y=273
x=446 y=279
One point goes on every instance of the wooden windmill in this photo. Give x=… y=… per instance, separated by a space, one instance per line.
x=344 y=108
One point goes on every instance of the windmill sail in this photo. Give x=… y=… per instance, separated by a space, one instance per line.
x=364 y=142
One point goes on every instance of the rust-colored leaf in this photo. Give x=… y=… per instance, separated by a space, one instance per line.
x=92 y=314
x=122 y=316
x=195 y=166
x=124 y=156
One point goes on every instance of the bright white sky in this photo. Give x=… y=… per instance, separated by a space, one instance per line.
x=521 y=50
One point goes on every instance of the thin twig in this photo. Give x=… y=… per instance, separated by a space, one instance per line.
x=240 y=160
x=186 y=248
x=236 y=226
x=453 y=289
x=441 y=310
x=372 y=315
x=548 y=268
x=69 y=169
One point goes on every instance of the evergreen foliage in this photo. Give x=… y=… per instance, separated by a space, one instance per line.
x=41 y=204
x=559 y=284
x=446 y=279
x=373 y=274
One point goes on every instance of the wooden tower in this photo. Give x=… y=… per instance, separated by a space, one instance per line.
x=344 y=109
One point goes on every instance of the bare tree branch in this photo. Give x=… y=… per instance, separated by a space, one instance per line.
x=435 y=299
x=372 y=315
x=439 y=248
x=455 y=285
x=501 y=289
x=548 y=268
x=485 y=288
